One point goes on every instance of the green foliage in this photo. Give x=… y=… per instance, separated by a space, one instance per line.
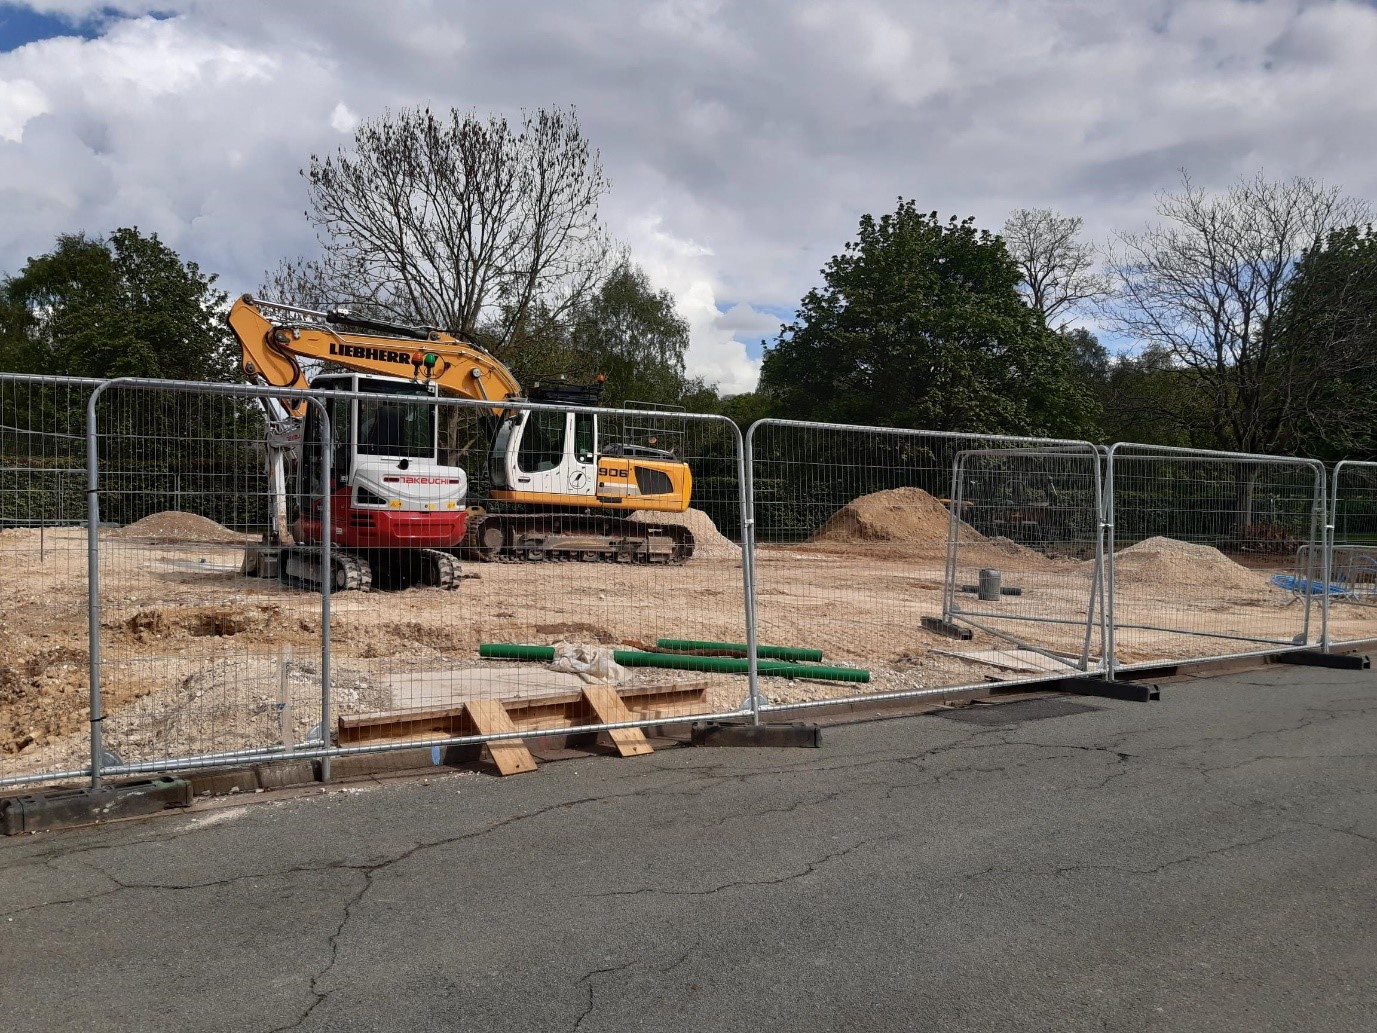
x=1329 y=323
x=122 y=306
x=920 y=324
x=631 y=333
x=1152 y=400
x=626 y=331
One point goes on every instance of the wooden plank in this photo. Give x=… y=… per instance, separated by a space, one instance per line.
x=489 y=718
x=609 y=709
x=404 y=724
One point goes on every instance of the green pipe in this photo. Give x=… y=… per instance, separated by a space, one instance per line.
x=676 y=662
x=772 y=652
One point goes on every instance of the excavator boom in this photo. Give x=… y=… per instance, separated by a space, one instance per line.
x=270 y=349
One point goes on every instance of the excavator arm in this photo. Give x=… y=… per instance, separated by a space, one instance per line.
x=273 y=337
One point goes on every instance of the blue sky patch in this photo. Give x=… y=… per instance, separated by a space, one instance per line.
x=21 y=24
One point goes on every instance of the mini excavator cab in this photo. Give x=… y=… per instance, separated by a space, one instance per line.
x=388 y=489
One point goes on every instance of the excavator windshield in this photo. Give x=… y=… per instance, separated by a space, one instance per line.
x=395 y=428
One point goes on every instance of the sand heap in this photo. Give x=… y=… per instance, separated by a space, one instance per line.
x=906 y=515
x=1159 y=559
x=172 y=526
x=708 y=541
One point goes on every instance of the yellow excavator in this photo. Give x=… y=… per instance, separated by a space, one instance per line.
x=398 y=513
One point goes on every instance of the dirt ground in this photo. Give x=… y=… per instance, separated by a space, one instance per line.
x=198 y=659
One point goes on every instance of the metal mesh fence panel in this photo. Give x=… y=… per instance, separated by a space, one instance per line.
x=1204 y=553
x=1024 y=551
x=1351 y=592
x=851 y=534
x=581 y=604
x=198 y=661
x=43 y=649
x=437 y=608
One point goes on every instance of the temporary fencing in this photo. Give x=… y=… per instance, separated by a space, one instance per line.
x=201 y=663
x=878 y=563
x=1194 y=539
x=885 y=547
x=1348 y=588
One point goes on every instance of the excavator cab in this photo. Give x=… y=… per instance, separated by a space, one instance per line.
x=556 y=458
x=393 y=504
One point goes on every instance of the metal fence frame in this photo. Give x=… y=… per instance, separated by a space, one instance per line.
x=1326 y=494
x=950 y=608
x=100 y=770
x=1330 y=545
x=1319 y=514
x=760 y=706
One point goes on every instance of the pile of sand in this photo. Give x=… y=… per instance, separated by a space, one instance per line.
x=907 y=515
x=708 y=541
x=1167 y=560
x=171 y=526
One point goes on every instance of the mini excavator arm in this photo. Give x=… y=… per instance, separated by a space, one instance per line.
x=273 y=337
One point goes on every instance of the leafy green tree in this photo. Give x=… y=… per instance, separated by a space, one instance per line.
x=625 y=331
x=1150 y=399
x=920 y=324
x=120 y=306
x=631 y=333
x=1329 y=345
x=124 y=305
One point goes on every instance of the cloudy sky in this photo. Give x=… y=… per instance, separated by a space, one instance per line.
x=743 y=140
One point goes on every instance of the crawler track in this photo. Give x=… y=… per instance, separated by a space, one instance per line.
x=546 y=537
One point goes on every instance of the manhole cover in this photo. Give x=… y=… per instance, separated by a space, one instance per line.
x=1014 y=713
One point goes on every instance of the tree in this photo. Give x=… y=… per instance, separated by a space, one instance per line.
x=920 y=324
x=1057 y=266
x=1329 y=320
x=126 y=305
x=632 y=334
x=1149 y=399
x=456 y=222
x=1210 y=288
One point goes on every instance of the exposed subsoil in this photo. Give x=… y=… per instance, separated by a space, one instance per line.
x=199 y=659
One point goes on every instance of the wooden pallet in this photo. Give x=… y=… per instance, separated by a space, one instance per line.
x=592 y=704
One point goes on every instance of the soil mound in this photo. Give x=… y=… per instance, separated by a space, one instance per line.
x=708 y=541
x=905 y=515
x=173 y=526
x=1176 y=562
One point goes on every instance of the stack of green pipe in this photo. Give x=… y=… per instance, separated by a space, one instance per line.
x=795 y=653
x=711 y=664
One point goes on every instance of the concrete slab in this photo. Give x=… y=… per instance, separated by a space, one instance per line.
x=420 y=690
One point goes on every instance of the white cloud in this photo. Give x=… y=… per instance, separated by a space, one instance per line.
x=743 y=140
x=683 y=268
x=342 y=120
x=20 y=101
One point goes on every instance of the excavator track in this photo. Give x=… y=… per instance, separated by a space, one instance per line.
x=440 y=569
x=348 y=572
x=546 y=537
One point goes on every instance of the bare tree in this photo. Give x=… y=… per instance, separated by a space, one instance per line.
x=456 y=222
x=1057 y=266
x=1209 y=287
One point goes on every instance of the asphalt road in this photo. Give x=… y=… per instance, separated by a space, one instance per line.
x=1201 y=863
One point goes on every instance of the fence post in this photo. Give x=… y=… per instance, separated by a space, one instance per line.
x=327 y=534
x=1110 y=659
x=746 y=476
x=93 y=579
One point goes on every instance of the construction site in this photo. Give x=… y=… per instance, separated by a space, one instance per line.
x=199 y=659
x=474 y=560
